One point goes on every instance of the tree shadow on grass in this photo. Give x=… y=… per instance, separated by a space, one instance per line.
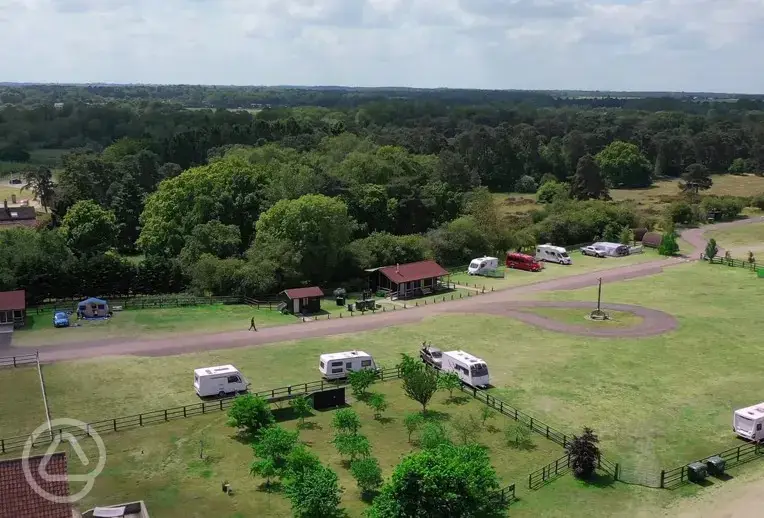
x=274 y=487
x=436 y=415
x=384 y=419
x=309 y=425
x=522 y=445
x=599 y=480
x=457 y=400
x=368 y=496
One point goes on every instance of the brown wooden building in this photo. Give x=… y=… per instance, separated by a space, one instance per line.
x=303 y=300
x=404 y=281
x=13 y=308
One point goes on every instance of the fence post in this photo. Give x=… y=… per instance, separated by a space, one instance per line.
x=547 y=431
x=2 y=445
x=221 y=404
x=115 y=424
x=184 y=410
x=165 y=414
x=617 y=471
x=203 y=407
x=555 y=466
x=531 y=423
x=530 y=481
x=140 y=419
x=738 y=454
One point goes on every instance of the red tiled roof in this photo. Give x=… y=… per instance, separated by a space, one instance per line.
x=12 y=300
x=302 y=293
x=413 y=271
x=19 y=500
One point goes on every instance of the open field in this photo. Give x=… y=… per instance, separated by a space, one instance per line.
x=21 y=405
x=175 y=482
x=739 y=240
x=143 y=322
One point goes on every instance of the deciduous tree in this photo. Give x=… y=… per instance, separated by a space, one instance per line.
x=584 y=454
x=316 y=493
x=420 y=382
x=89 y=229
x=346 y=420
x=250 y=414
x=624 y=165
x=367 y=474
x=302 y=406
x=449 y=381
x=272 y=449
x=587 y=183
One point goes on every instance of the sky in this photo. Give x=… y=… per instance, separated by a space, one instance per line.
x=632 y=45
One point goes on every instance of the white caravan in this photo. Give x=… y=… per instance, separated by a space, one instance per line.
x=612 y=249
x=747 y=422
x=553 y=254
x=219 y=381
x=482 y=264
x=337 y=365
x=471 y=370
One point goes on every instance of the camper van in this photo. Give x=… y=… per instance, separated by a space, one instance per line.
x=337 y=365
x=482 y=264
x=471 y=370
x=747 y=422
x=523 y=262
x=219 y=381
x=552 y=254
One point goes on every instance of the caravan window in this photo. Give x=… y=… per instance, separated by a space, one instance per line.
x=479 y=369
x=365 y=363
x=337 y=364
x=349 y=365
x=322 y=364
x=101 y=306
x=196 y=378
x=234 y=379
x=758 y=426
x=337 y=370
x=474 y=264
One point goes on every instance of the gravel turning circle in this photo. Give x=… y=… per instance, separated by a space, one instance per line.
x=654 y=322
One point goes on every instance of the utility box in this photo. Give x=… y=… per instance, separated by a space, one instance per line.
x=697 y=472
x=329 y=399
x=716 y=465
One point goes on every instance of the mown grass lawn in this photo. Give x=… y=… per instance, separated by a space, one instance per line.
x=133 y=323
x=739 y=240
x=21 y=404
x=161 y=464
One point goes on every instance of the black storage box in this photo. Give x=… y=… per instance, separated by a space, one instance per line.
x=696 y=472
x=715 y=465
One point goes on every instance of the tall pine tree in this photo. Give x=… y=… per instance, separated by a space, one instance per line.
x=588 y=183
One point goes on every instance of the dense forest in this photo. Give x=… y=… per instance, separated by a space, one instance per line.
x=317 y=184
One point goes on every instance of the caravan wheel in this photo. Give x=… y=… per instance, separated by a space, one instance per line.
x=221 y=394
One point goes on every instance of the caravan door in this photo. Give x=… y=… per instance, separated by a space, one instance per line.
x=296 y=305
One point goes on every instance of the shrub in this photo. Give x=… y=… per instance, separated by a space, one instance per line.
x=583 y=221
x=433 y=434
x=360 y=381
x=551 y=192
x=378 y=403
x=669 y=246
x=711 y=249
x=487 y=413
x=346 y=420
x=546 y=178
x=316 y=493
x=526 y=185
x=412 y=422
x=518 y=435
x=584 y=454
x=352 y=444
x=250 y=414
x=682 y=212
x=758 y=202
x=367 y=474
x=724 y=208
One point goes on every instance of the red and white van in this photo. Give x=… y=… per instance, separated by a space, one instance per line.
x=525 y=262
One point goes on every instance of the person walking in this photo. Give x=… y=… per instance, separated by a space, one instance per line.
x=252 y=324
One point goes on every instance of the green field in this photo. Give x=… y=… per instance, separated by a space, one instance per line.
x=739 y=240
x=21 y=404
x=175 y=482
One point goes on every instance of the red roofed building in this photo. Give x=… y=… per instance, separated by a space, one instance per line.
x=411 y=279
x=13 y=307
x=303 y=300
x=19 y=500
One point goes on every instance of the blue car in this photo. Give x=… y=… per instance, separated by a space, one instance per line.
x=60 y=319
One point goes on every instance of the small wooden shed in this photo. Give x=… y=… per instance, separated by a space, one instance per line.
x=13 y=308
x=303 y=300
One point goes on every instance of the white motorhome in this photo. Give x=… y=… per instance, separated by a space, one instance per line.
x=482 y=264
x=747 y=422
x=553 y=254
x=612 y=249
x=337 y=365
x=219 y=381
x=471 y=370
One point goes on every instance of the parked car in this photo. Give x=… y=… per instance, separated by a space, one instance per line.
x=593 y=251
x=431 y=355
x=60 y=319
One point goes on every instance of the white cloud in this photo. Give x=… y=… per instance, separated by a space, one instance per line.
x=550 y=44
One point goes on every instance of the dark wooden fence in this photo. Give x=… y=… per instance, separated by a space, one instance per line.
x=18 y=360
x=143 y=302
x=506 y=495
x=737 y=263
x=547 y=473
x=675 y=477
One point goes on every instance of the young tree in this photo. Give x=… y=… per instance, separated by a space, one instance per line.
x=669 y=246
x=432 y=435
x=314 y=494
x=551 y=192
x=40 y=182
x=378 y=403
x=466 y=428
x=626 y=236
x=346 y=421
x=711 y=249
x=367 y=474
x=250 y=414
x=518 y=434
x=420 y=382
x=302 y=407
x=587 y=183
x=272 y=449
x=487 y=413
x=584 y=454
x=299 y=461
x=449 y=381
x=353 y=445
x=696 y=178
x=449 y=480
x=412 y=422
x=360 y=381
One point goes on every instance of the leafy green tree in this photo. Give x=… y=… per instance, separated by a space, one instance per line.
x=250 y=414
x=526 y=185
x=518 y=435
x=445 y=481
x=460 y=240
x=378 y=403
x=432 y=435
x=420 y=382
x=213 y=238
x=588 y=183
x=301 y=406
x=382 y=249
x=317 y=228
x=551 y=192
x=682 y=212
x=584 y=454
x=300 y=460
x=467 y=427
x=367 y=474
x=360 y=381
x=486 y=413
x=413 y=422
x=626 y=236
x=316 y=493
x=668 y=245
x=346 y=420
x=40 y=182
x=696 y=178
x=353 y=445
x=89 y=229
x=449 y=381
x=273 y=446
x=624 y=165
x=711 y=249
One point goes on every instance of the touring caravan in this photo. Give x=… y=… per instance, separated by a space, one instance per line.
x=747 y=422
x=337 y=365
x=483 y=264
x=219 y=381
x=552 y=254
x=471 y=370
